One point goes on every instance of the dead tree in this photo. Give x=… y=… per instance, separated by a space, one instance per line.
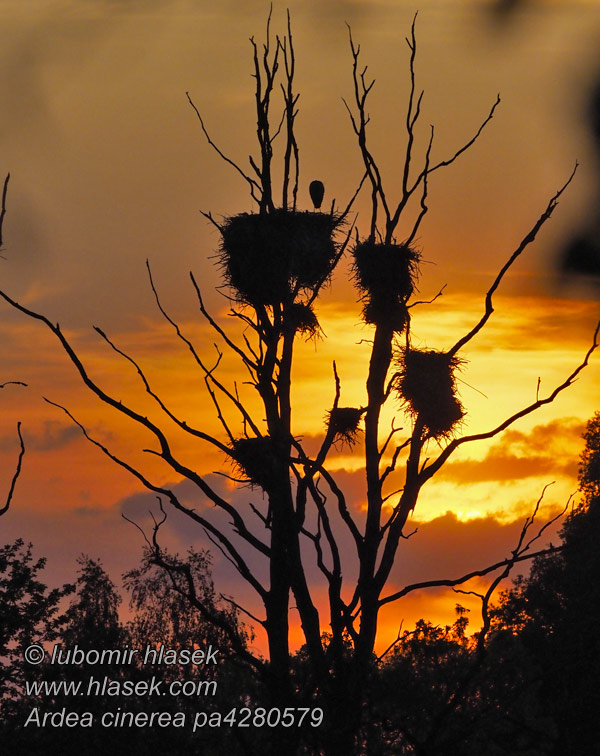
x=275 y=262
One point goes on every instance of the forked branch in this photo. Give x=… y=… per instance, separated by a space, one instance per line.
x=362 y=89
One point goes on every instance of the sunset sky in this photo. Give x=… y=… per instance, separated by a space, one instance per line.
x=109 y=168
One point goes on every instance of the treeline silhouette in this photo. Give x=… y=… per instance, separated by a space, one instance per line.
x=530 y=686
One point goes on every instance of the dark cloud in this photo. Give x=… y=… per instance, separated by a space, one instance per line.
x=89 y=512
x=353 y=12
x=180 y=532
x=53 y=36
x=53 y=435
x=581 y=257
x=547 y=450
x=503 y=13
x=565 y=429
x=98 y=533
x=502 y=467
x=447 y=548
x=442 y=548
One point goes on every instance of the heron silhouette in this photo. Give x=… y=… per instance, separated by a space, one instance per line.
x=316 y=190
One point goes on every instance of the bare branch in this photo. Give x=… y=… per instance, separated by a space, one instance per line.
x=316 y=289
x=424 y=206
x=392 y=465
x=207 y=372
x=465 y=147
x=411 y=116
x=359 y=124
x=267 y=68
x=181 y=423
x=393 y=643
x=391 y=434
x=240 y=352
x=3 y=210
x=526 y=241
x=518 y=552
x=550 y=522
x=428 y=301
x=449 y=583
x=259 y=514
x=135 y=525
x=254 y=187
x=353 y=198
x=210 y=218
x=16 y=473
x=165 y=452
x=242 y=609
x=389 y=496
x=207 y=381
x=290 y=113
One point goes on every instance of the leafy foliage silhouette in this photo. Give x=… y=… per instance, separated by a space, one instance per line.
x=554 y=612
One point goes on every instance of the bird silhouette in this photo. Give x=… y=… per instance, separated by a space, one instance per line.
x=316 y=190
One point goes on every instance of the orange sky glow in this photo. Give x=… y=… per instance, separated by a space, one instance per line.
x=109 y=168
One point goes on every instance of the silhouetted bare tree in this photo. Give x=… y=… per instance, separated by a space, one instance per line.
x=275 y=262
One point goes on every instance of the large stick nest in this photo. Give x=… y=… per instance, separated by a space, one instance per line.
x=265 y=257
x=386 y=276
x=427 y=385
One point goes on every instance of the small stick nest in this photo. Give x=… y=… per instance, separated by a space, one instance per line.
x=266 y=256
x=344 y=422
x=385 y=275
x=427 y=385
x=393 y=313
x=302 y=319
x=256 y=460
